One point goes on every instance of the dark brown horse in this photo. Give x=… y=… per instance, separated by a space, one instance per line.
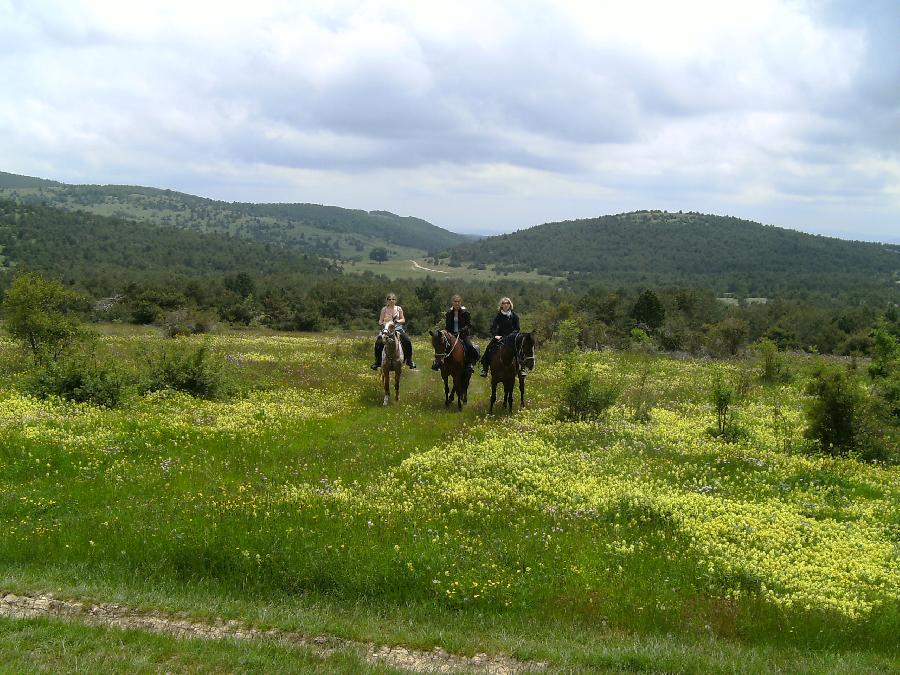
x=515 y=353
x=450 y=353
x=393 y=362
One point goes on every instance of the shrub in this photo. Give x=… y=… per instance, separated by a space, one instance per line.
x=40 y=313
x=188 y=322
x=773 y=367
x=641 y=399
x=722 y=396
x=79 y=377
x=192 y=371
x=581 y=396
x=841 y=417
x=567 y=337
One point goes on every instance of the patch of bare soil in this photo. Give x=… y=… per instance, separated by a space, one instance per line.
x=119 y=616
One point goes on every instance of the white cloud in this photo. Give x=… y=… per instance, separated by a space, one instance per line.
x=476 y=115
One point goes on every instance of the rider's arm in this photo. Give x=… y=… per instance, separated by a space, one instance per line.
x=515 y=323
x=382 y=319
x=399 y=315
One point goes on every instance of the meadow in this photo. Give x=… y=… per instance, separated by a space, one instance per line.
x=637 y=541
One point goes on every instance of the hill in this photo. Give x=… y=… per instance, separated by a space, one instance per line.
x=81 y=247
x=328 y=231
x=719 y=252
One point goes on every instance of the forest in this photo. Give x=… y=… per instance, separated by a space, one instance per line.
x=724 y=254
x=139 y=273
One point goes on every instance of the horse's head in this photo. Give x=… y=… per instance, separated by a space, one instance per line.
x=525 y=344
x=389 y=328
x=441 y=346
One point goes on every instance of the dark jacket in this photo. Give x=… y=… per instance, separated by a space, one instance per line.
x=465 y=322
x=504 y=325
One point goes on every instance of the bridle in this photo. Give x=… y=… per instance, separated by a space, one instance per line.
x=520 y=351
x=450 y=347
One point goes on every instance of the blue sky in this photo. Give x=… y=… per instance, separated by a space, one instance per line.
x=478 y=116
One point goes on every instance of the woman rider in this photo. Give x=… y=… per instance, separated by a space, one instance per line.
x=505 y=323
x=393 y=312
x=458 y=323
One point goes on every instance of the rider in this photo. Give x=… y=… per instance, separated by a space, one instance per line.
x=505 y=323
x=393 y=312
x=458 y=323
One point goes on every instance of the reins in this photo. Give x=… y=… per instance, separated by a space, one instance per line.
x=450 y=348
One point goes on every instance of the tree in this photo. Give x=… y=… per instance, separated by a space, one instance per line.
x=648 y=310
x=41 y=313
x=379 y=254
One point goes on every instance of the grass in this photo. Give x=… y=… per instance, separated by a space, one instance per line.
x=41 y=646
x=301 y=503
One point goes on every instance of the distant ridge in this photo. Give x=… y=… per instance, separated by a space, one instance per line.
x=329 y=231
x=12 y=180
x=723 y=253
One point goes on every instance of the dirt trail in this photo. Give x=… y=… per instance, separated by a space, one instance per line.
x=427 y=269
x=119 y=616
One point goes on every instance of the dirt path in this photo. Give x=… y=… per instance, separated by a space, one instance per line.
x=119 y=616
x=427 y=269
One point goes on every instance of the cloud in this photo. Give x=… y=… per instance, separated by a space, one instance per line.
x=565 y=106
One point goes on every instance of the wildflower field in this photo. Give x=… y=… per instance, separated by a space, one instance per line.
x=630 y=542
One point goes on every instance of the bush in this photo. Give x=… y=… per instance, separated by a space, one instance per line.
x=567 y=337
x=773 y=367
x=722 y=396
x=40 y=313
x=841 y=417
x=188 y=322
x=79 y=377
x=192 y=371
x=581 y=396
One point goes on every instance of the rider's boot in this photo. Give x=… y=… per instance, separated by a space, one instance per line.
x=412 y=364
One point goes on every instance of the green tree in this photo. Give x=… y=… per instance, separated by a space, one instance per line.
x=41 y=313
x=648 y=310
x=378 y=254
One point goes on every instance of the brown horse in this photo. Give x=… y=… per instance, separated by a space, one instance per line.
x=450 y=353
x=514 y=353
x=392 y=362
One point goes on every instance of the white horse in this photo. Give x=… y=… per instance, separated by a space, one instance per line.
x=392 y=361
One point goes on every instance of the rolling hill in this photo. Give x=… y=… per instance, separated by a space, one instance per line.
x=93 y=250
x=653 y=248
x=328 y=231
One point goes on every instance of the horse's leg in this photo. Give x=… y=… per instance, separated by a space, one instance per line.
x=522 y=390
x=446 y=392
x=493 y=395
x=386 y=380
x=508 y=388
x=457 y=384
x=397 y=373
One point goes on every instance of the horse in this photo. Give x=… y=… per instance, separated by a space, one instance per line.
x=391 y=362
x=514 y=353
x=450 y=354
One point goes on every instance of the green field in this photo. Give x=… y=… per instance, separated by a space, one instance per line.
x=299 y=502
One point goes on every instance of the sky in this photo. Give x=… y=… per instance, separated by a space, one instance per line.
x=480 y=117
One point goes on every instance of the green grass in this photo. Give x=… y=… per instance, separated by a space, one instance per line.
x=301 y=503
x=41 y=646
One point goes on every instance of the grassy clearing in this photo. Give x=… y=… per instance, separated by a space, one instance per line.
x=301 y=503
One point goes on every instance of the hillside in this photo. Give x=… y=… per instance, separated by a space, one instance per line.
x=717 y=252
x=81 y=247
x=328 y=231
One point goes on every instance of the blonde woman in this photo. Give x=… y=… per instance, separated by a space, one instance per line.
x=392 y=312
x=505 y=323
